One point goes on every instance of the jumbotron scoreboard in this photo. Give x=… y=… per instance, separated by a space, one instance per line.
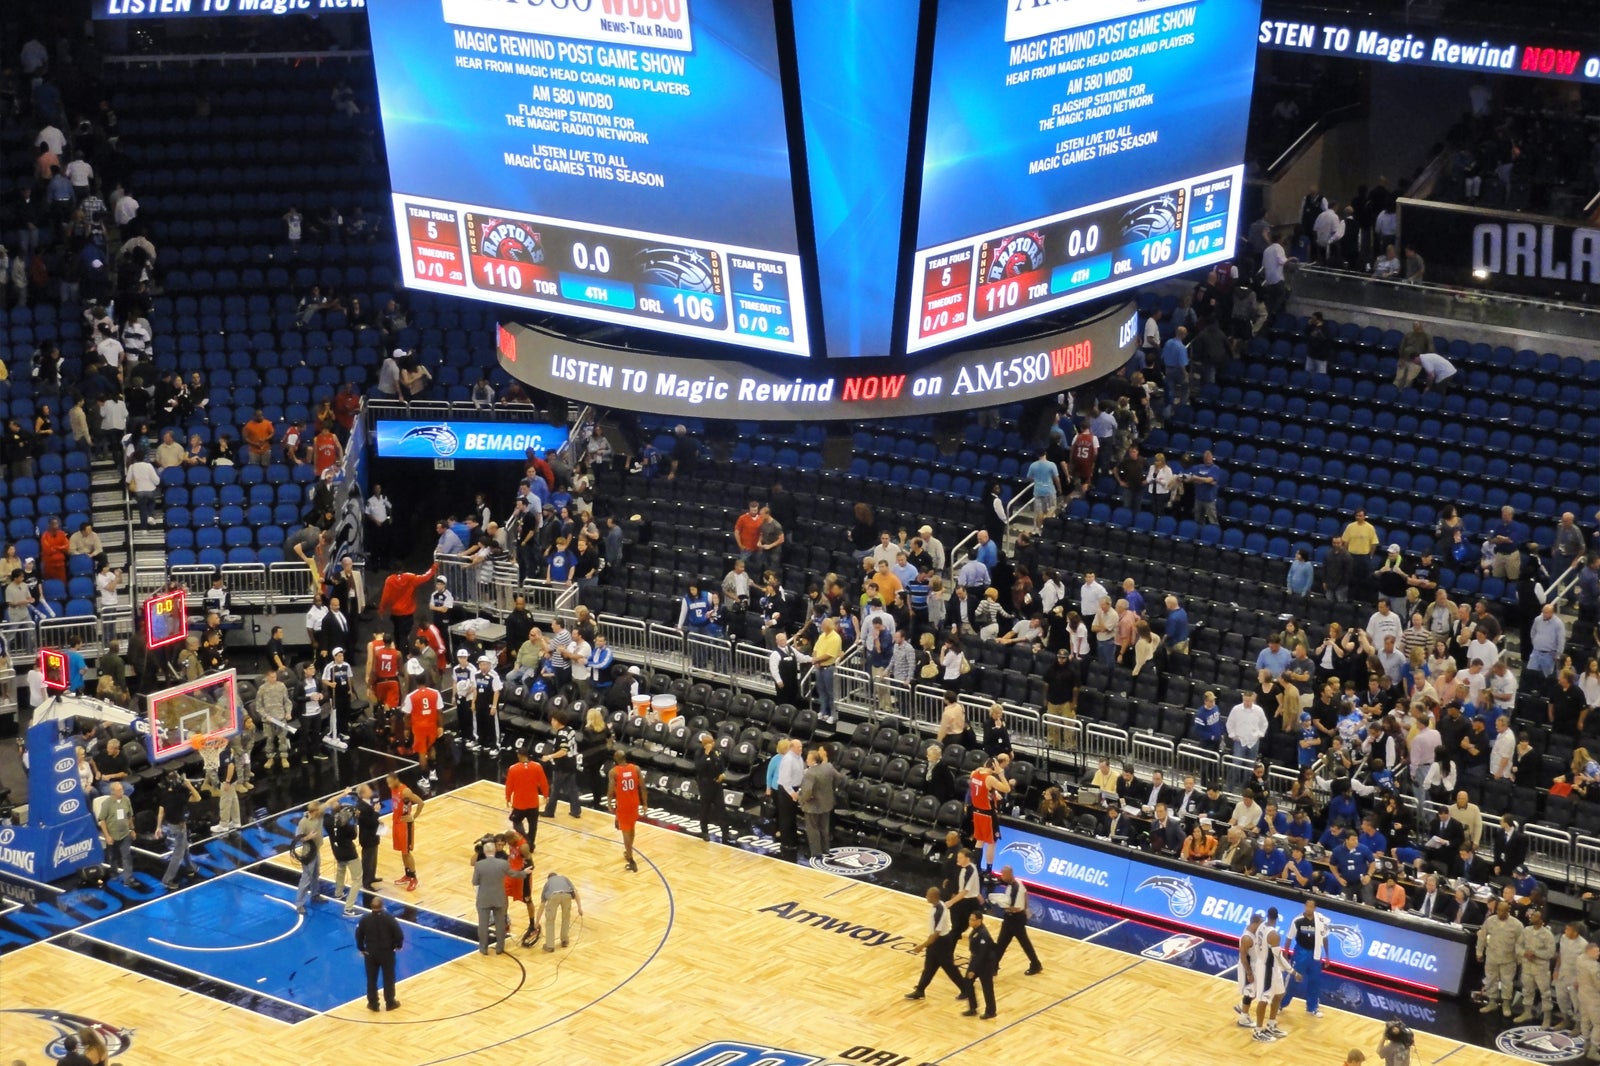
x=797 y=178
x=977 y=284
x=607 y=159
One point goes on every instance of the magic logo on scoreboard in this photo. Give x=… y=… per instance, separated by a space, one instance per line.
x=636 y=23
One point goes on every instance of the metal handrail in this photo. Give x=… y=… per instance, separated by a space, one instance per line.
x=1456 y=291
x=1565 y=582
x=1014 y=509
x=1320 y=125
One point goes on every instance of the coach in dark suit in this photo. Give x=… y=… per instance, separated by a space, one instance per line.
x=982 y=967
x=378 y=937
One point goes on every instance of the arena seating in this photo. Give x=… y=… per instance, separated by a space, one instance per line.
x=1302 y=453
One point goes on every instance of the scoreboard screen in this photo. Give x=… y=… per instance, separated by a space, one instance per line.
x=807 y=178
x=1075 y=148
x=166 y=620
x=620 y=160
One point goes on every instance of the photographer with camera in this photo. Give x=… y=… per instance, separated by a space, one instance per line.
x=172 y=813
x=1396 y=1044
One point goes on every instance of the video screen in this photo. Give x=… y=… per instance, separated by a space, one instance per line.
x=1075 y=149
x=166 y=620
x=620 y=160
x=206 y=707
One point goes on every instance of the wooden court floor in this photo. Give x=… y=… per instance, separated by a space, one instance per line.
x=704 y=944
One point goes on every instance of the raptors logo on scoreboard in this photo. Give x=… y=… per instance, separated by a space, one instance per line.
x=507 y=239
x=1014 y=256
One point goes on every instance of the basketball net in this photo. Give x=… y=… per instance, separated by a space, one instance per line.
x=210 y=749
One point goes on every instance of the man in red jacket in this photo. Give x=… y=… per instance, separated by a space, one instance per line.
x=527 y=788
x=399 y=601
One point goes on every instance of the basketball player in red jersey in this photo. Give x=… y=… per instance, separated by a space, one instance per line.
x=981 y=787
x=407 y=808
x=626 y=793
x=399 y=601
x=423 y=706
x=519 y=857
x=383 y=682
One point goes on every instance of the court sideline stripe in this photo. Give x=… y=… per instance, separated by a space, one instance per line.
x=1103 y=932
x=1047 y=1007
x=672 y=910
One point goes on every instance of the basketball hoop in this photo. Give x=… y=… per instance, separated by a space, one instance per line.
x=210 y=748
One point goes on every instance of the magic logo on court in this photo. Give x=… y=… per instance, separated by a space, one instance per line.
x=63 y=1025
x=736 y=1053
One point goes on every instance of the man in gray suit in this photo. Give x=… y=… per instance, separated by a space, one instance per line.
x=817 y=800
x=489 y=877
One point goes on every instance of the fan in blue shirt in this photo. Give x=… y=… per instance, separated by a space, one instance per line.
x=1177 y=631
x=560 y=565
x=1352 y=727
x=1207 y=724
x=1273 y=820
x=1342 y=809
x=1310 y=745
x=1274 y=658
x=1369 y=837
x=1301 y=827
x=1300 y=871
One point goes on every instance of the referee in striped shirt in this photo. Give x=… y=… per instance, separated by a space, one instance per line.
x=1014 y=920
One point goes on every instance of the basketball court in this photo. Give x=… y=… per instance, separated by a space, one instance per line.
x=705 y=945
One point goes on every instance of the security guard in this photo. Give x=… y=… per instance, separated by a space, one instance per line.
x=463 y=682
x=710 y=769
x=981 y=967
x=338 y=677
x=486 y=686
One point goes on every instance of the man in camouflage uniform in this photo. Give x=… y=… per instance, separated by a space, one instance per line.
x=1498 y=940
x=273 y=711
x=1535 y=952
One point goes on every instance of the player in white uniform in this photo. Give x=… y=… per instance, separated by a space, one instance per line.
x=1271 y=968
x=1246 y=969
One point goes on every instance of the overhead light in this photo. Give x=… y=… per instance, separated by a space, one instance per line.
x=1481 y=274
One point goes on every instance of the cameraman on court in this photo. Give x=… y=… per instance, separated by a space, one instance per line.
x=1395 y=1046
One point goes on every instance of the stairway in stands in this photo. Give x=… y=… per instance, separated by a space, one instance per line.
x=110 y=510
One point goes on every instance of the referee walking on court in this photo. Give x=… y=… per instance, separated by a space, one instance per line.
x=1014 y=921
x=939 y=950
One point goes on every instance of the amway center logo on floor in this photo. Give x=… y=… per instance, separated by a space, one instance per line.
x=792 y=911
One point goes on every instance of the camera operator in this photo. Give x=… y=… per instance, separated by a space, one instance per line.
x=1395 y=1046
